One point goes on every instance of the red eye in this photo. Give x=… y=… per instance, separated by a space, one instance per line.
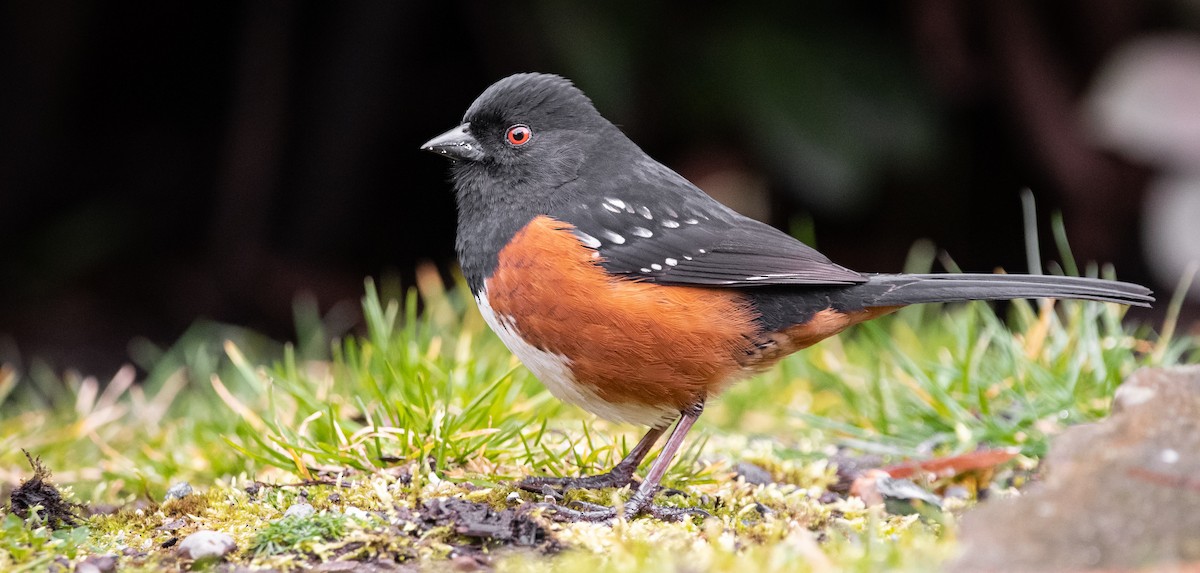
x=519 y=134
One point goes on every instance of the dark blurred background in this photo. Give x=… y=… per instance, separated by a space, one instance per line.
x=166 y=162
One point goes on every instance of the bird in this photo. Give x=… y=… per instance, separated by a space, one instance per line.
x=629 y=292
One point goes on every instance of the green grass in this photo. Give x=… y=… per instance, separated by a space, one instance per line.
x=427 y=402
x=950 y=380
x=435 y=388
x=294 y=533
x=31 y=545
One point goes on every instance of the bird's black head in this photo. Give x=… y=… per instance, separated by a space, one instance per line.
x=528 y=134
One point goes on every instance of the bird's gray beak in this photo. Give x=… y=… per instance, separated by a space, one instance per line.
x=457 y=144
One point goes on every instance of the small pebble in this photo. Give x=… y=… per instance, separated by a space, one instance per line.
x=300 y=510
x=513 y=496
x=97 y=564
x=469 y=563
x=753 y=474
x=178 y=491
x=206 y=545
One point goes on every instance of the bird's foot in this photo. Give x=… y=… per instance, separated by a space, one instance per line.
x=591 y=512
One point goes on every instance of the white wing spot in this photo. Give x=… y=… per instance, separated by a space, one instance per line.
x=615 y=202
x=612 y=208
x=690 y=221
x=656 y=267
x=618 y=239
x=645 y=212
x=670 y=223
x=642 y=232
x=645 y=270
x=701 y=251
x=688 y=257
x=671 y=262
x=629 y=209
x=588 y=240
x=672 y=212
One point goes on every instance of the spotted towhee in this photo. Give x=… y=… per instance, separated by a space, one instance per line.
x=631 y=293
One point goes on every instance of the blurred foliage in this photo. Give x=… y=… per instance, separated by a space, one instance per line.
x=827 y=100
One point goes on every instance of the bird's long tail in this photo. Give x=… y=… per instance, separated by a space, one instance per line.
x=901 y=290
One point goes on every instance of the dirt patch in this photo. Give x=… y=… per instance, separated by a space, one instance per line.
x=482 y=521
x=57 y=512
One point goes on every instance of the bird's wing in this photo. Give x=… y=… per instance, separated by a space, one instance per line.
x=667 y=231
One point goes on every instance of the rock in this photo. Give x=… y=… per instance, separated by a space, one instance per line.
x=473 y=562
x=178 y=491
x=85 y=567
x=1120 y=494
x=206 y=545
x=97 y=564
x=753 y=474
x=300 y=510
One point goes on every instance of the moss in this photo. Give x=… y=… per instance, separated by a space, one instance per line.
x=188 y=505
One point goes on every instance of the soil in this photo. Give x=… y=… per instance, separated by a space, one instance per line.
x=38 y=490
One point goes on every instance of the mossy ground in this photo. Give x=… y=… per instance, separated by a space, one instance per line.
x=776 y=526
x=426 y=404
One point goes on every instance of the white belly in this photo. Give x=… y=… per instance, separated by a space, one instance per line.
x=554 y=371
